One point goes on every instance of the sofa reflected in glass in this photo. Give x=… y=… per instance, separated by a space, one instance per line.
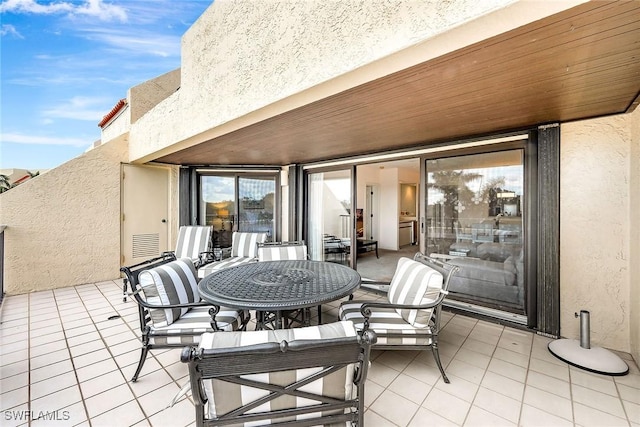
x=491 y=261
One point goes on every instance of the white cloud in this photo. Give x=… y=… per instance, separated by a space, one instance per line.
x=79 y=108
x=19 y=138
x=139 y=43
x=8 y=29
x=92 y=8
x=31 y=6
x=104 y=12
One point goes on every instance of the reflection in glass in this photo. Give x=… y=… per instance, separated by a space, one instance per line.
x=217 y=204
x=256 y=209
x=474 y=219
x=329 y=235
x=253 y=209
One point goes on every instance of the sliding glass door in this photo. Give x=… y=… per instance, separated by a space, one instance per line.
x=231 y=202
x=329 y=222
x=256 y=204
x=474 y=219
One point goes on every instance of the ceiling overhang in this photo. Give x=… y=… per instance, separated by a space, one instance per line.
x=577 y=64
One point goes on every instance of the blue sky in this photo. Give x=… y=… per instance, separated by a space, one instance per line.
x=65 y=64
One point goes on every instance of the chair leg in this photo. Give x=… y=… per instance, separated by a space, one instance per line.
x=319 y=315
x=259 y=320
x=436 y=355
x=124 y=290
x=143 y=357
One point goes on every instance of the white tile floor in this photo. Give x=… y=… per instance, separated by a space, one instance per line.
x=65 y=360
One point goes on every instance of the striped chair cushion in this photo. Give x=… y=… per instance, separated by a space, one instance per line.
x=192 y=240
x=414 y=283
x=385 y=321
x=246 y=244
x=224 y=397
x=188 y=329
x=225 y=263
x=171 y=283
x=284 y=252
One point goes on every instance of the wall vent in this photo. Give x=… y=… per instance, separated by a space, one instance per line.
x=146 y=245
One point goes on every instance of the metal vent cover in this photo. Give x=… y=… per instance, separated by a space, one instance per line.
x=146 y=245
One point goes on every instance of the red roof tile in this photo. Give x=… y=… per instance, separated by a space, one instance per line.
x=113 y=112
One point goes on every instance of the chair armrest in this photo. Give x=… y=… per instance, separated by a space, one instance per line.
x=374 y=282
x=377 y=287
x=366 y=311
x=206 y=257
x=163 y=258
x=145 y=304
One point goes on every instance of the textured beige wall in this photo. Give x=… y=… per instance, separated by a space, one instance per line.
x=63 y=227
x=243 y=56
x=597 y=254
x=256 y=53
x=634 y=195
x=118 y=127
x=141 y=99
x=147 y=95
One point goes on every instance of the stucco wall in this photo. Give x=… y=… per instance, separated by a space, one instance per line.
x=241 y=56
x=118 y=126
x=634 y=195
x=596 y=252
x=141 y=99
x=147 y=95
x=63 y=227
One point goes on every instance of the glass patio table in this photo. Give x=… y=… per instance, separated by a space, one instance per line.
x=279 y=286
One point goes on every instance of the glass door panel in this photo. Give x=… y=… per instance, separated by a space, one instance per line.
x=237 y=203
x=217 y=207
x=330 y=224
x=474 y=219
x=256 y=208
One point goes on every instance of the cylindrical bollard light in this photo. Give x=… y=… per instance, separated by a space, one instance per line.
x=585 y=341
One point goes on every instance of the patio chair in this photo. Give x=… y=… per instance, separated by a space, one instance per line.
x=169 y=306
x=193 y=242
x=277 y=251
x=244 y=249
x=305 y=376
x=410 y=318
x=280 y=251
x=334 y=249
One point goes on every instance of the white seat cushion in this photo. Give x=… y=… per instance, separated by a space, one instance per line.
x=190 y=327
x=385 y=321
x=414 y=283
x=193 y=240
x=246 y=244
x=284 y=252
x=171 y=283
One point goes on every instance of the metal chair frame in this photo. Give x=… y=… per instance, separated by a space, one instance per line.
x=131 y=279
x=366 y=309
x=232 y=364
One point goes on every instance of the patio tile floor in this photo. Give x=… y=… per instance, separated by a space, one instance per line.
x=66 y=360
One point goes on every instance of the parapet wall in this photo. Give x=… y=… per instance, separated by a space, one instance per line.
x=63 y=226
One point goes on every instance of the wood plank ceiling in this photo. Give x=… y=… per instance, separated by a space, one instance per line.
x=581 y=63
